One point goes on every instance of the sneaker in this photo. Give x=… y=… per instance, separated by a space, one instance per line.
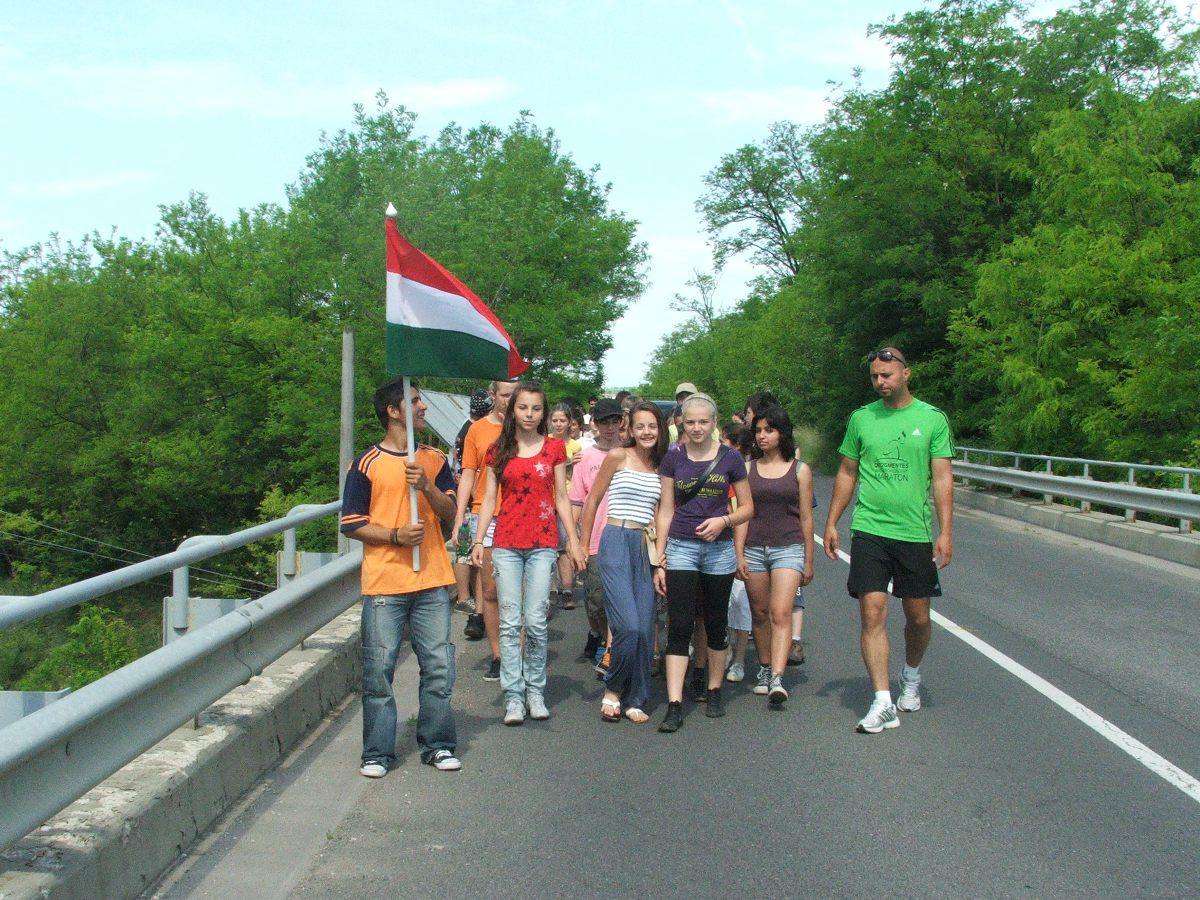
x=716 y=706
x=589 y=649
x=537 y=708
x=699 y=686
x=372 y=769
x=673 y=719
x=796 y=654
x=910 y=696
x=736 y=673
x=566 y=600
x=474 y=630
x=514 y=713
x=493 y=671
x=777 y=693
x=444 y=761
x=879 y=717
x=603 y=663
x=762 y=681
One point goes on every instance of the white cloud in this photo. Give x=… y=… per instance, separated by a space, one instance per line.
x=69 y=187
x=737 y=106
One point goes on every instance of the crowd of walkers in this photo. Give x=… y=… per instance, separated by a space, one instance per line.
x=681 y=536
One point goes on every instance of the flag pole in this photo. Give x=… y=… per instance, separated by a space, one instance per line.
x=412 y=456
x=412 y=447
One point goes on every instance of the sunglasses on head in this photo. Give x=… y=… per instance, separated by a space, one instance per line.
x=886 y=356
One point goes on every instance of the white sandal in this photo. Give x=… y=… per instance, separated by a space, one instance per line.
x=610 y=710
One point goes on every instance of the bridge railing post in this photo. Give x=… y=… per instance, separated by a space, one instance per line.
x=1131 y=514
x=1185 y=525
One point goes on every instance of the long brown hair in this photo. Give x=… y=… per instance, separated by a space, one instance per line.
x=506 y=444
x=660 y=449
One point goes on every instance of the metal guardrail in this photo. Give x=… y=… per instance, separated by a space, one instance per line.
x=14 y=610
x=53 y=756
x=1181 y=505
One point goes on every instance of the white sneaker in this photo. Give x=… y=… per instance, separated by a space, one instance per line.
x=910 y=696
x=514 y=713
x=537 y=708
x=445 y=761
x=736 y=673
x=762 y=681
x=879 y=716
x=372 y=769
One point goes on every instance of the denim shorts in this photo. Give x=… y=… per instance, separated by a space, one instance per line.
x=716 y=558
x=761 y=558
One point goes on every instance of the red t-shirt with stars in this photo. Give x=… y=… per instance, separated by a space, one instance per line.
x=528 y=519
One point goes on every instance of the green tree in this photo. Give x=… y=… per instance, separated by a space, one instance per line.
x=100 y=642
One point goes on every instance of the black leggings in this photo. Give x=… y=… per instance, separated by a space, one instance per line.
x=688 y=589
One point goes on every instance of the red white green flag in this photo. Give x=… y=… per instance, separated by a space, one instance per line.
x=436 y=325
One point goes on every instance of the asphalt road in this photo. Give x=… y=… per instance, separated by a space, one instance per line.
x=991 y=790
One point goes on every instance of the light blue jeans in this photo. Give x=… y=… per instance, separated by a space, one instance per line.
x=427 y=617
x=523 y=588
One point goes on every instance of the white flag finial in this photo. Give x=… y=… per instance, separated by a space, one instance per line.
x=391 y=212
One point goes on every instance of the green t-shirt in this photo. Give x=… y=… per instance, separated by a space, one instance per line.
x=894 y=448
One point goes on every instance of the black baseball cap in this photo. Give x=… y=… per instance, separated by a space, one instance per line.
x=606 y=408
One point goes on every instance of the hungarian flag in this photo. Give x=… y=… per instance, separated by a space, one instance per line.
x=436 y=325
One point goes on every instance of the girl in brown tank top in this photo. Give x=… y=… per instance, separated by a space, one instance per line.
x=775 y=550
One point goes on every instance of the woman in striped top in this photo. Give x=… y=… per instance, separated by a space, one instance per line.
x=629 y=475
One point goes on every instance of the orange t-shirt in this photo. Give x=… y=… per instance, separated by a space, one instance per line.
x=377 y=493
x=480 y=436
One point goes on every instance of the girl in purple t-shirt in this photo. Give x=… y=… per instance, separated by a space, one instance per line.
x=695 y=541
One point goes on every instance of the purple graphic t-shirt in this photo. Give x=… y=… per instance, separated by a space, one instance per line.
x=713 y=497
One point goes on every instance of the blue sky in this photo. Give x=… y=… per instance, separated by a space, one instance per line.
x=113 y=109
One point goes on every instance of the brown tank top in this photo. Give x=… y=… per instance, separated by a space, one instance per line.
x=776 y=521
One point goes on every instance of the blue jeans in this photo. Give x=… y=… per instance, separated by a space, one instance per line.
x=427 y=615
x=630 y=601
x=523 y=589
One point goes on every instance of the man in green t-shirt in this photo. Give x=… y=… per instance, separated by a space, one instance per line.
x=896 y=449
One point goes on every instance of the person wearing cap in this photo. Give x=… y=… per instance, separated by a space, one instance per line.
x=607 y=418
x=895 y=449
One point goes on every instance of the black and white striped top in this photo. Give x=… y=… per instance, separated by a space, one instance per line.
x=634 y=495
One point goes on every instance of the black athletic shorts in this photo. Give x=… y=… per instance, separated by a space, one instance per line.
x=908 y=565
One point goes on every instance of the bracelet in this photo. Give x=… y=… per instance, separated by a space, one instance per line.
x=477 y=544
x=396 y=536
x=728 y=522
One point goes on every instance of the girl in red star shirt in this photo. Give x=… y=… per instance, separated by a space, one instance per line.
x=531 y=470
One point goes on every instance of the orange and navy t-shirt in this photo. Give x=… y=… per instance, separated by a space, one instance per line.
x=529 y=519
x=480 y=436
x=377 y=493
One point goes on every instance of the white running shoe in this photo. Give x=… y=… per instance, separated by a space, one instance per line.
x=736 y=673
x=372 y=769
x=537 y=708
x=910 y=696
x=514 y=713
x=879 y=716
x=762 y=681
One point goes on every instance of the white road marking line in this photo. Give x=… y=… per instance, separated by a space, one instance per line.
x=1161 y=767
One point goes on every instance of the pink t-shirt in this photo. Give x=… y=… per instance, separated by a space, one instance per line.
x=582 y=479
x=528 y=518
